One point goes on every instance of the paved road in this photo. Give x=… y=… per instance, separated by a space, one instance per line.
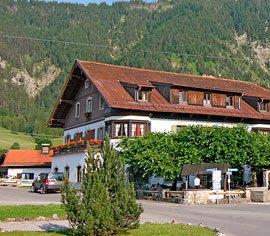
x=12 y=196
x=233 y=220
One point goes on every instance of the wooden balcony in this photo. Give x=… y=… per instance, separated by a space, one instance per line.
x=76 y=146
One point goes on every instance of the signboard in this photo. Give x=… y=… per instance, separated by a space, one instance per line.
x=232 y=169
x=216 y=180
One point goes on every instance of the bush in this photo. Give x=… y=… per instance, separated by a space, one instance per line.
x=15 y=146
x=106 y=204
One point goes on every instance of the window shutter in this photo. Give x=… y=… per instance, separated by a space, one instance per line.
x=218 y=100
x=195 y=98
x=237 y=102
x=174 y=96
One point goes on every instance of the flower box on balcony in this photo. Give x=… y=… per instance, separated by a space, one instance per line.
x=75 y=146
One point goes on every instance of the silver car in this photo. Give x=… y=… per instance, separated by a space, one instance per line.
x=48 y=182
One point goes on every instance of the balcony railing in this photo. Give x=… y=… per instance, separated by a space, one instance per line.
x=76 y=146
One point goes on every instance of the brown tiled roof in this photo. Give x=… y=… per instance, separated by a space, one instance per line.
x=109 y=80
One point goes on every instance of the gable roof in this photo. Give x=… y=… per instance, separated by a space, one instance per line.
x=27 y=158
x=109 y=80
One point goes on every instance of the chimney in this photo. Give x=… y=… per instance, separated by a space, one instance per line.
x=45 y=148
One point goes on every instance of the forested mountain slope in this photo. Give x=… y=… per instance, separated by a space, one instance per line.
x=226 y=38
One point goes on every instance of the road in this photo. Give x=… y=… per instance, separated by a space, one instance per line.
x=233 y=220
x=12 y=196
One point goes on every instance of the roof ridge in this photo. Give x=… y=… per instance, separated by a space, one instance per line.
x=174 y=73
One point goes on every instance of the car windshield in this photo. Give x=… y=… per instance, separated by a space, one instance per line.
x=57 y=176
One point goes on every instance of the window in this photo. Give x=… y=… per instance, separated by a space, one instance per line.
x=263 y=106
x=101 y=103
x=182 y=96
x=138 y=130
x=86 y=83
x=100 y=133
x=142 y=95
x=77 y=109
x=66 y=172
x=27 y=175
x=67 y=138
x=207 y=99
x=121 y=130
x=229 y=101
x=79 y=174
x=88 y=108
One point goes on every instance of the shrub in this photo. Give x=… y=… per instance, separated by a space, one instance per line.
x=15 y=146
x=106 y=204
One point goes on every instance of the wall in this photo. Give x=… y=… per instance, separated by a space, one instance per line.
x=85 y=128
x=36 y=171
x=165 y=125
x=157 y=124
x=72 y=160
x=82 y=95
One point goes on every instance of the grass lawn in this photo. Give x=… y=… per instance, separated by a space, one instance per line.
x=30 y=211
x=143 y=230
x=7 y=138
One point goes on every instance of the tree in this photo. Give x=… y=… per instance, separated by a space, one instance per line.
x=164 y=154
x=15 y=146
x=42 y=140
x=106 y=204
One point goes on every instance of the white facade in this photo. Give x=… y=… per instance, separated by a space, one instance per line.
x=157 y=125
x=72 y=161
x=27 y=170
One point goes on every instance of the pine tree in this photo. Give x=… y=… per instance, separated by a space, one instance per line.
x=106 y=204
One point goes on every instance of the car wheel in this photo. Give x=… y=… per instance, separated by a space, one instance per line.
x=42 y=190
x=33 y=189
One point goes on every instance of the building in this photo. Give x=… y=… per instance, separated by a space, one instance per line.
x=27 y=164
x=128 y=102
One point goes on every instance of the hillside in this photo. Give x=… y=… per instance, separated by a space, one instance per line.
x=7 y=138
x=39 y=42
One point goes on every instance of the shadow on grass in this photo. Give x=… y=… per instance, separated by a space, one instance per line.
x=59 y=229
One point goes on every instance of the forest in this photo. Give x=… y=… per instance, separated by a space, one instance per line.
x=39 y=42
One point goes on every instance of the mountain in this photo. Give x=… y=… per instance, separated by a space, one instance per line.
x=39 y=42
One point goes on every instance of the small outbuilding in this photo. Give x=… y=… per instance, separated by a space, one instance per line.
x=27 y=164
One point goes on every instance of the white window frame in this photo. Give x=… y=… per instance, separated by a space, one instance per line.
x=91 y=106
x=100 y=135
x=183 y=96
x=207 y=97
x=77 y=109
x=86 y=83
x=145 y=98
x=263 y=105
x=101 y=99
x=228 y=101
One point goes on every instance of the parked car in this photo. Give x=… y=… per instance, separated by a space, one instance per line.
x=48 y=182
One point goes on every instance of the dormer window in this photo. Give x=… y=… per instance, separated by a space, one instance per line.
x=77 y=110
x=229 y=101
x=143 y=95
x=207 y=99
x=182 y=96
x=263 y=106
x=86 y=84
